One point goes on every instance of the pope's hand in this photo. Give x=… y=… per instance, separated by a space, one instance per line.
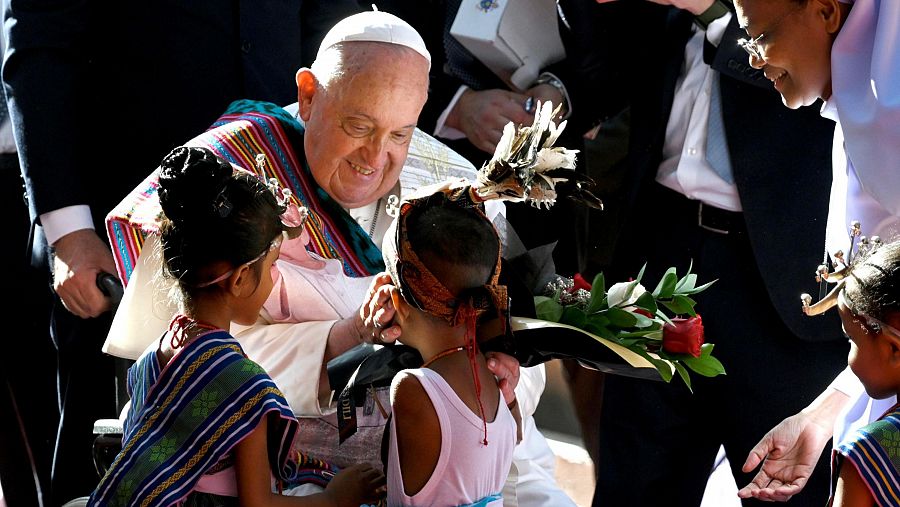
x=377 y=312
x=506 y=369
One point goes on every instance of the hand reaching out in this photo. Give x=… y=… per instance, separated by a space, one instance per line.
x=788 y=453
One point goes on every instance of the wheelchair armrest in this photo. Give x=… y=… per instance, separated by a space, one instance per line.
x=107 y=443
x=108 y=427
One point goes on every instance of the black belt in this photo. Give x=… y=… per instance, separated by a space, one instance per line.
x=694 y=212
x=719 y=220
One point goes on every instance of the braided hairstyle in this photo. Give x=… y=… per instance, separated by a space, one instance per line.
x=456 y=243
x=875 y=283
x=213 y=214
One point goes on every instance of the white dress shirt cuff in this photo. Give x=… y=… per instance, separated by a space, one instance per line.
x=716 y=30
x=58 y=223
x=847 y=383
x=440 y=129
x=567 y=100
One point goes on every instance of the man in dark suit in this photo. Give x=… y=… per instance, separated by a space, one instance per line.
x=468 y=104
x=749 y=216
x=98 y=93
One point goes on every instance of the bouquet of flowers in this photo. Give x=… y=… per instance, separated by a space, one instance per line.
x=635 y=318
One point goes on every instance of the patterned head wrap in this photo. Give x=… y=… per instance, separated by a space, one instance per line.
x=418 y=285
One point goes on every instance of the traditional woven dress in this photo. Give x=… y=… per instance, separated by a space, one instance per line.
x=874 y=450
x=187 y=416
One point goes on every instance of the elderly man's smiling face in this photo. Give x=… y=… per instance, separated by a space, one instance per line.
x=358 y=129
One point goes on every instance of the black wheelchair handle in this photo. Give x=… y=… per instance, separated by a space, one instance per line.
x=111 y=287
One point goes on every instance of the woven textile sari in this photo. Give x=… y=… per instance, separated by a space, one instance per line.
x=186 y=417
x=874 y=450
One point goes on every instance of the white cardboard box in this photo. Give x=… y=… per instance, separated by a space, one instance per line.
x=513 y=38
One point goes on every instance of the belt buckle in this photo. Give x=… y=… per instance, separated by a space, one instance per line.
x=704 y=226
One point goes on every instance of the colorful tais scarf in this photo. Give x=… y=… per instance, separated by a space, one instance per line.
x=249 y=128
x=874 y=451
x=185 y=419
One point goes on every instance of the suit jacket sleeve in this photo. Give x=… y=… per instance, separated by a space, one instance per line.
x=47 y=66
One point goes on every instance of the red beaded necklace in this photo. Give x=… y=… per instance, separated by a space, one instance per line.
x=471 y=348
x=444 y=353
x=184 y=328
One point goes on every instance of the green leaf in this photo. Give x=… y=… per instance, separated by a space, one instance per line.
x=687 y=302
x=707 y=366
x=598 y=294
x=621 y=318
x=642 y=333
x=680 y=305
x=666 y=286
x=642 y=321
x=686 y=283
x=598 y=319
x=647 y=302
x=573 y=317
x=601 y=331
x=665 y=371
x=701 y=288
x=683 y=373
x=547 y=309
x=641 y=273
x=599 y=284
x=662 y=315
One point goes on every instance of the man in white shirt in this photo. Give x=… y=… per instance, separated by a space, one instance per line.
x=737 y=199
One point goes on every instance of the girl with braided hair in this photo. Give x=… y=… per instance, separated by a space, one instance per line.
x=207 y=425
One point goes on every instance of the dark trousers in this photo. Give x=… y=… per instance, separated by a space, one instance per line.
x=658 y=441
x=86 y=392
x=28 y=412
x=55 y=380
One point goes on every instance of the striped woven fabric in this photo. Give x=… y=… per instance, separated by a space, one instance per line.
x=185 y=419
x=874 y=451
x=247 y=129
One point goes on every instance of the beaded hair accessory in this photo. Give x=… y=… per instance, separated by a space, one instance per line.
x=861 y=247
x=295 y=215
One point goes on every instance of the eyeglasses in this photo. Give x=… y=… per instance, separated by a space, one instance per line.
x=275 y=243
x=752 y=46
x=868 y=322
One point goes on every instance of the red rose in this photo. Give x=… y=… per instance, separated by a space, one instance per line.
x=685 y=337
x=644 y=312
x=580 y=283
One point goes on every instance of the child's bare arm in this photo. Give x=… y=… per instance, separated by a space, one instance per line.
x=851 y=491
x=350 y=488
x=418 y=433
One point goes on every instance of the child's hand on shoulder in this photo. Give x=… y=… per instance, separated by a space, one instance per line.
x=356 y=485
